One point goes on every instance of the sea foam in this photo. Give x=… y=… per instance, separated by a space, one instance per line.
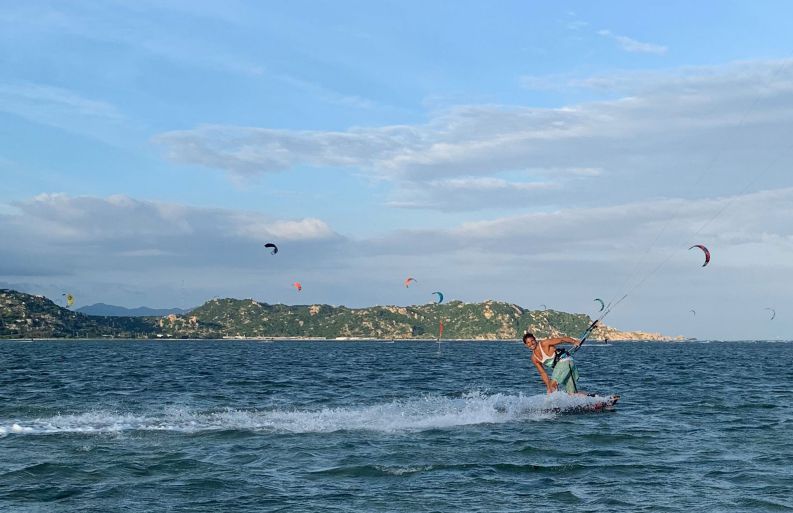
x=414 y=414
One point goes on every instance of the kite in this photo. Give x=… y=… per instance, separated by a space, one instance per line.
x=407 y=282
x=602 y=304
x=544 y=307
x=440 y=297
x=773 y=313
x=298 y=286
x=693 y=312
x=273 y=246
x=704 y=250
x=69 y=299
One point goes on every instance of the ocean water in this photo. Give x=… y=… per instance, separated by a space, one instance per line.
x=103 y=426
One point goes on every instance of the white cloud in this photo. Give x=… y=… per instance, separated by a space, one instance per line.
x=253 y=226
x=574 y=23
x=488 y=184
x=690 y=132
x=468 y=193
x=95 y=233
x=632 y=45
x=577 y=25
x=552 y=82
x=483 y=140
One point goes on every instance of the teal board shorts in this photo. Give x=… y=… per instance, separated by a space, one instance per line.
x=566 y=375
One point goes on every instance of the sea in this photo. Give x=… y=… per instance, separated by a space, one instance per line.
x=368 y=426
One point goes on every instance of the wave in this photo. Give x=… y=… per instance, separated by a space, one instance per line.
x=416 y=414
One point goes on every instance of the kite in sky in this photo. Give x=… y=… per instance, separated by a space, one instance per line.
x=704 y=250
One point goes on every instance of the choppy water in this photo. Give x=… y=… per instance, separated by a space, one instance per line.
x=366 y=426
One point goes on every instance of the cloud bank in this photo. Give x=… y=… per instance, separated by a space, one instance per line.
x=664 y=129
x=632 y=45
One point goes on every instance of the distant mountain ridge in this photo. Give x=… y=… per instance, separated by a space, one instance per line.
x=120 y=311
x=28 y=316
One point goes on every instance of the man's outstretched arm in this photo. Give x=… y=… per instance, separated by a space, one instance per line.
x=553 y=342
x=549 y=385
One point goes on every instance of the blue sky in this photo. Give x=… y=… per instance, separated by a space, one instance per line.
x=538 y=153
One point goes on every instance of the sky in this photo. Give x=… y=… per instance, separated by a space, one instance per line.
x=540 y=153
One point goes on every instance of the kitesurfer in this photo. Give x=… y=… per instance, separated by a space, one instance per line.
x=547 y=358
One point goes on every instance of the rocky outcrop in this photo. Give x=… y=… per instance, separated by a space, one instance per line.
x=603 y=332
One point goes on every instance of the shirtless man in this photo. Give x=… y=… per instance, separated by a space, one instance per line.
x=542 y=356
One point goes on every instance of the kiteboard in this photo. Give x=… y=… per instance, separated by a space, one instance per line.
x=604 y=404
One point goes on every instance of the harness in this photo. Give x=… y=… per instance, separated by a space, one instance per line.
x=558 y=355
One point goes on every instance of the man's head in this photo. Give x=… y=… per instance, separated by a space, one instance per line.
x=529 y=339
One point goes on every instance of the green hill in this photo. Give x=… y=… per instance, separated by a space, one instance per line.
x=489 y=320
x=26 y=316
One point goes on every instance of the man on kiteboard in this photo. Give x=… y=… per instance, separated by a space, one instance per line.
x=545 y=355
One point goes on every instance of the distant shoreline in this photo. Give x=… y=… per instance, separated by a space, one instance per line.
x=313 y=339
x=24 y=317
x=347 y=339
